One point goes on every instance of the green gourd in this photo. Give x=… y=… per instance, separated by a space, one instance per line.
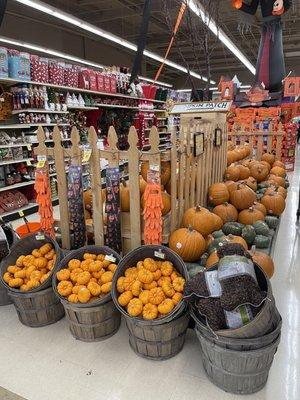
x=233 y=228
x=217 y=234
x=249 y=234
x=215 y=245
x=203 y=259
x=261 y=228
x=272 y=221
x=262 y=242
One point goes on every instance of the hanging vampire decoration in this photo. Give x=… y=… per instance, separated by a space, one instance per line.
x=270 y=68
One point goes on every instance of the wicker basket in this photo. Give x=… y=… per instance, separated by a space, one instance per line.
x=25 y=246
x=37 y=309
x=4 y=297
x=264 y=321
x=163 y=337
x=94 y=321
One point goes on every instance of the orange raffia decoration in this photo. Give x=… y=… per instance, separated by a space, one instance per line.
x=237 y=4
x=153 y=214
x=44 y=201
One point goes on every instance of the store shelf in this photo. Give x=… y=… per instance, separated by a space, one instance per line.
x=27 y=126
x=116 y=106
x=38 y=110
x=27 y=207
x=11 y=82
x=15 y=161
x=83 y=108
x=17 y=185
x=7 y=146
x=151 y=110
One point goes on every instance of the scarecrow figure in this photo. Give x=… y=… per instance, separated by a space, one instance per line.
x=270 y=68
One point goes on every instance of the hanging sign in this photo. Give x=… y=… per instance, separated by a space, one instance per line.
x=198 y=143
x=209 y=106
x=218 y=137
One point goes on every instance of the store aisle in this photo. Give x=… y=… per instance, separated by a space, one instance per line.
x=48 y=364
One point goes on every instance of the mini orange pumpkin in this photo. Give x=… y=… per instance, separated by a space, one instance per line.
x=178 y=284
x=73 y=298
x=84 y=295
x=166 y=306
x=166 y=268
x=12 y=269
x=168 y=289
x=83 y=278
x=107 y=277
x=94 y=288
x=144 y=296
x=120 y=284
x=74 y=274
x=28 y=260
x=89 y=256
x=50 y=255
x=112 y=267
x=76 y=288
x=149 y=286
x=29 y=271
x=177 y=298
x=136 y=288
x=45 y=248
x=19 y=262
x=32 y=284
x=156 y=274
x=40 y=262
x=74 y=263
x=36 y=253
x=145 y=276
x=132 y=272
x=45 y=277
x=21 y=274
x=64 y=288
x=150 y=264
x=156 y=296
x=125 y=298
x=106 y=287
x=63 y=275
x=164 y=279
x=36 y=275
x=7 y=277
x=150 y=311
x=15 y=283
x=135 y=307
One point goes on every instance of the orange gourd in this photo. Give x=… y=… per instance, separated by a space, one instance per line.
x=45 y=248
x=218 y=222
x=84 y=295
x=107 y=277
x=260 y=207
x=243 y=197
x=125 y=298
x=63 y=275
x=150 y=264
x=94 y=288
x=166 y=268
x=144 y=296
x=178 y=284
x=83 y=278
x=73 y=264
x=232 y=173
x=264 y=261
x=177 y=298
x=15 y=282
x=120 y=284
x=212 y=260
x=136 y=288
x=231 y=185
x=259 y=172
x=278 y=171
x=132 y=271
x=145 y=276
x=168 y=289
x=73 y=298
x=274 y=203
x=64 y=288
x=149 y=286
x=106 y=287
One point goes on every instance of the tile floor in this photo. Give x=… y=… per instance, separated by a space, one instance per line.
x=48 y=364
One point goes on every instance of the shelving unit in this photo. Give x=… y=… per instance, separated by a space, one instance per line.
x=27 y=126
x=24 y=160
x=37 y=111
x=17 y=185
x=82 y=108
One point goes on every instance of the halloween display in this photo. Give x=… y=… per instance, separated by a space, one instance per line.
x=76 y=206
x=113 y=209
x=270 y=68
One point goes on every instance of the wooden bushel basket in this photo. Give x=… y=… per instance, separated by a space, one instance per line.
x=90 y=322
x=163 y=337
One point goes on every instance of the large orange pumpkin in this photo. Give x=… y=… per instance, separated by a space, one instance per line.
x=278 y=172
x=244 y=172
x=274 y=203
x=218 y=222
x=143 y=185
x=269 y=158
x=165 y=171
x=259 y=172
x=243 y=197
x=218 y=194
x=250 y=216
x=264 y=261
x=200 y=219
x=188 y=244
x=266 y=164
x=251 y=182
x=236 y=239
x=232 y=173
x=227 y=212
x=231 y=157
x=277 y=189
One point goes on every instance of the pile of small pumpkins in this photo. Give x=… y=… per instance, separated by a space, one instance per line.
x=31 y=270
x=151 y=289
x=244 y=209
x=125 y=191
x=84 y=281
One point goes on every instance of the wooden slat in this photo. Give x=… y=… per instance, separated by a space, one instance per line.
x=174 y=181
x=95 y=169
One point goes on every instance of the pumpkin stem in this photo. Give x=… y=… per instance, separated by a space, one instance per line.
x=190 y=229
x=251 y=209
x=197 y=208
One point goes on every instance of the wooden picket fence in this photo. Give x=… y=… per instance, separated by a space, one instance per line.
x=259 y=140
x=190 y=175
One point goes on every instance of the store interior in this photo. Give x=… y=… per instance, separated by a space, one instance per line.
x=149 y=199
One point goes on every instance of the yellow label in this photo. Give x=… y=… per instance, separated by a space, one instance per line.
x=28 y=163
x=41 y=161
x=29 y=147
x=21 y=213
x=86 y=155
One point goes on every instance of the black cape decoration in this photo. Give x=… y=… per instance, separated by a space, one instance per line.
x=2 y=9
x=270 y=68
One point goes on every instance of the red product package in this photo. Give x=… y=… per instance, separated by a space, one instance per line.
x=56 y=72
x=113 y=84
x=100 y=82
x=84 y=79
x=71 y=75
x=93 y=79
x=106 y=83
x=39 y=69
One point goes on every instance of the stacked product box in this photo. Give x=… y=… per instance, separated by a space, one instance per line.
x=289 y=145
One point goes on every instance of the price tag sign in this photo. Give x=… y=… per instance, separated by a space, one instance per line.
x=86 y=154
x=110 y=258
x=28 y=147
x=40 y=236
x=21 y=213
x=154 y=167
x=28 y=163
x=159 y=254
x=41 y=161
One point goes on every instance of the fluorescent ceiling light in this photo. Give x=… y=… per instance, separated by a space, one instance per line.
x=198 y=9
x=54 y=12
x=65 y=56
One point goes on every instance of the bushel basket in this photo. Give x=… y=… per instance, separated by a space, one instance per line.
x=163 y=337
x=93 y=321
